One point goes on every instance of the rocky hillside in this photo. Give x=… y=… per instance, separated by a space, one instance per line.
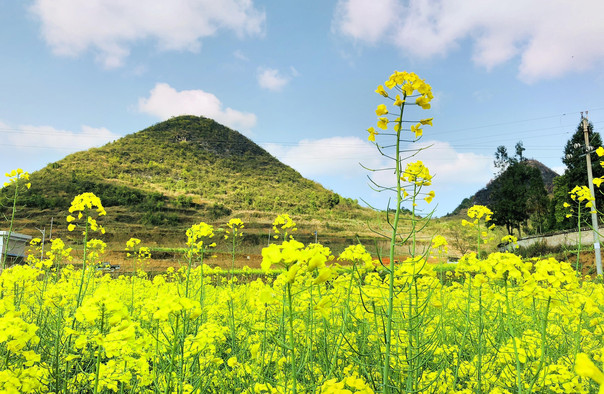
x=482 y=197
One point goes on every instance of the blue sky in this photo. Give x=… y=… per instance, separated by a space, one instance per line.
x=298 y=78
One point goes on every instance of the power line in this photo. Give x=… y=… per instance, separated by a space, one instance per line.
x=456 y=142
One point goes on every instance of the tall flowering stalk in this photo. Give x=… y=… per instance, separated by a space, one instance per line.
x=402 y=86
x=87 y=208
x=481 y=216
x=139 y=256
x=580 y=196
x=19 y=179
x=198 y=237
x=234 y=230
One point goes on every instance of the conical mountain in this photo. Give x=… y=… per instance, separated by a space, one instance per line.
x=187 y=162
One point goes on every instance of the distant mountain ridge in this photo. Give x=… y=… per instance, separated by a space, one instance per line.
x=482 y=197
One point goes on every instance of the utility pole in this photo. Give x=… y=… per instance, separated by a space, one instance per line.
x=594 y=213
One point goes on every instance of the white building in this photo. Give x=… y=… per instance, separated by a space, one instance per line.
x=14 y=247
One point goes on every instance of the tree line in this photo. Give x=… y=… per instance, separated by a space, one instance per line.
x=518 y=195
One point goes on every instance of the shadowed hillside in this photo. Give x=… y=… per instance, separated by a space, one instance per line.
x=483 y=196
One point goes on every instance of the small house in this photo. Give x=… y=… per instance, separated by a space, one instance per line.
x=13 y=247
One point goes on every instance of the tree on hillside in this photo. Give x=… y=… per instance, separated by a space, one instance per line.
x=574 y=157
x=502 y=159
x=557 y=219
x=575 y=174
x=518 y=192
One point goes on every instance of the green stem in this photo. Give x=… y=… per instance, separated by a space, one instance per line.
x=543 y=342
x=233 y=257
x=480 y=329
x=84 y=260
x=479 y=239
x=98 y=355
x=291 y=337
x=10 y=229
x=399 y=201
x=511 y=331
x=579 y=238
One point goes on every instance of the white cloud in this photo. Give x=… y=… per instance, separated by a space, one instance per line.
x=550 y=38
x=451 y=167
x=111 y=27
x=240 y=55
x=340 y=156
x=559 y=169
x=335 y=156
x=28 y=137
x=335 y=163
x=272 y=79
x=164 y=102
x=364 y=20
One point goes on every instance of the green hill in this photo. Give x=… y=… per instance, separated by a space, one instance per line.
x=176 y=173
x=483 y=196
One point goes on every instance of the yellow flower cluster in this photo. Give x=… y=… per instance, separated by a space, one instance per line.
x=479 y=212
x=405 y=85
x=349 y=385
x=581 y=194
x=357 y=254
x=299 y=261
x=84 y=204
x=139 y=254
x=16 y=175
x=196 y=235
x=496 y=323
x=510 y=240
x=440 y=244
x=235 y=226
x=283 y=223
x=522 y=321
x=410 y=85
x=586 y=368
x=417 y=173
x=600 y=153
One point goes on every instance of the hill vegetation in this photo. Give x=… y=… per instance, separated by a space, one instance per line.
x=483 y=196
x=157 y=182
x=185 y=162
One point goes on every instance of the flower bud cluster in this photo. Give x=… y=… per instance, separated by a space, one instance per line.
x=16 y=175
x=298 y=260
x=235 y=226
x=84 y=204
x=196 y=235
x=405 y=85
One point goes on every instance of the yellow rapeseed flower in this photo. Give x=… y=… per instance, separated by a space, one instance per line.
x=423 y=102
x=380 y=90
x=586 y=368
x=417 y=173
x=430 y=196
x=372 y=134
x=398 y=102
x=417 y=130
x=381 y=110
x=480 y=211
